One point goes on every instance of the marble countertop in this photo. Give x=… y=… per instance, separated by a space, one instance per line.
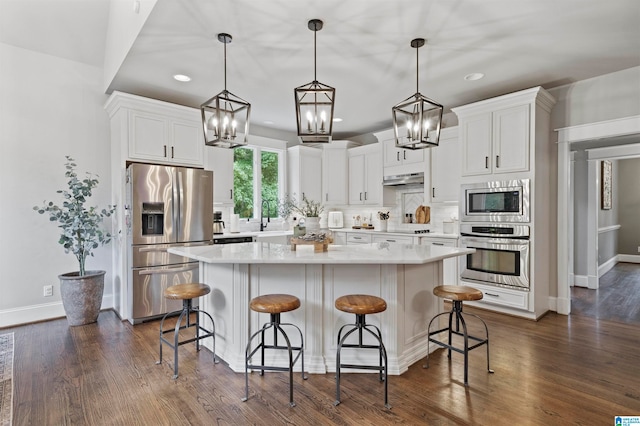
x=377 y=253
x=392 y=233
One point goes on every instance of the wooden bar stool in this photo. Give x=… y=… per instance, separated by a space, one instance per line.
x=361 y=305
x=274 y=305
x=186 y=293
x=458 y=294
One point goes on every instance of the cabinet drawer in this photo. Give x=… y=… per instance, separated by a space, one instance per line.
x=358 y=239
x=392 y=239
x=438 y=242
x=501 y=296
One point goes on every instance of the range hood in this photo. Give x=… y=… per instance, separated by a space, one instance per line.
x=405 y=179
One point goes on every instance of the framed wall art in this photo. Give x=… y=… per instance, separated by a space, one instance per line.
x=605 y=185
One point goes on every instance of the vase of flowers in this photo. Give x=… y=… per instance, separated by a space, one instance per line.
x=311 y=211
x=384 y=219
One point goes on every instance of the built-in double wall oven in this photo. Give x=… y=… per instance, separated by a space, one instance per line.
x=495 y=222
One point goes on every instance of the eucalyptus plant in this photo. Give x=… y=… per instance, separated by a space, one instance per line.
x=310 y=208
x=80 y=224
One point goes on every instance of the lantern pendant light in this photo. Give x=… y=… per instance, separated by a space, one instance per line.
x=225 y=117
x=417 y=119
x=315 y=103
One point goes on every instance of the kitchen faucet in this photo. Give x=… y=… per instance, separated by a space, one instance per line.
x=262 y=224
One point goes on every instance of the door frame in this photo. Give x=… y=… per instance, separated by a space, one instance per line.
x=566 y=136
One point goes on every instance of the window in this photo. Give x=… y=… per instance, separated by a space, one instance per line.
x=257 y=176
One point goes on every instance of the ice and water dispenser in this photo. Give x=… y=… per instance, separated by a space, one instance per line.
x=152 y=218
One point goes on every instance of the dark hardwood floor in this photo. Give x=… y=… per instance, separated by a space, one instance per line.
x=616 y=299
x=557 y=371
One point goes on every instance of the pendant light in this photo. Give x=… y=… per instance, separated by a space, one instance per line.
x=225 y=117
x=417 y=119
x=315 y=103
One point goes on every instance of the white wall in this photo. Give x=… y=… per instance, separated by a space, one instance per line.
x=49 y=107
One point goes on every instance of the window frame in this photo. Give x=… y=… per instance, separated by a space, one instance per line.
x=257 y=149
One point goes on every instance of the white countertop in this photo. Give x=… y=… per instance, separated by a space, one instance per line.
x=377 y=253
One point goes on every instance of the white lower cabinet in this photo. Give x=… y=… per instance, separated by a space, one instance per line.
x=339 y=238
x=450 y=274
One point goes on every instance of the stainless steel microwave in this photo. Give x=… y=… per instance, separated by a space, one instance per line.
x=498 y=201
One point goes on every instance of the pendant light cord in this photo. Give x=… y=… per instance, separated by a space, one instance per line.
x=417 y=69
x=315 y=65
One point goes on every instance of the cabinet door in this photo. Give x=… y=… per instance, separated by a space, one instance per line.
x=411 y=156
x=475 y=132
x=187 y=143
x=148 y=137
x=511 y=139
x=311 y=177
x=391 y=154
x=445 y=170
x=334 y=176
x=220 y=161
x=356 y=179
x=373 y=178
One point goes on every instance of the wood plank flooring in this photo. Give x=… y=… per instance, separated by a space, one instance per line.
x=557 y=371
x=616 y=299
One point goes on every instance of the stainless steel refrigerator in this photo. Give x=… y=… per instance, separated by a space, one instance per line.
x=168 y=207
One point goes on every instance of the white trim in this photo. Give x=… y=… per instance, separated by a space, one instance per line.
x=607 y=266
x=608 y=229
x=567 y=135
x=41 y=312
x=614 y=152
x=629 y=258
x=599 y=130
x=587 y=281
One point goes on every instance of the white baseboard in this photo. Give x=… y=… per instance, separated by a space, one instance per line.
x=629 y=258
x=41 y=312
x=607 y=266
x=588 y=281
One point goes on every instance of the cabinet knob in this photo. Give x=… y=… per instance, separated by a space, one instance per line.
x=433 y=192
x=404 y=154
x=231 y=194
x=172 y=152
x=497 y=161
x=165 y=151
x=398 y=156
x=486 y=162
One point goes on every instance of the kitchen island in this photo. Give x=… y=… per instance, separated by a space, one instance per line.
x=403 y=275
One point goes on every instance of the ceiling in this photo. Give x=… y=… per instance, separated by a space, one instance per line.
x=363 y=50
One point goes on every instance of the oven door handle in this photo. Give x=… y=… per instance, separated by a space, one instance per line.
x=491 y=240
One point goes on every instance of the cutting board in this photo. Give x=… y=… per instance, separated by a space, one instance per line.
x=423 y=214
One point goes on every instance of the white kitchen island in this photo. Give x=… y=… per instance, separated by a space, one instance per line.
x=403 y=275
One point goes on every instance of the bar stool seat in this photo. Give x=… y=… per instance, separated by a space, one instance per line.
x=186 y=293
x=274 y=305
x=362 y=305
x=457 y=295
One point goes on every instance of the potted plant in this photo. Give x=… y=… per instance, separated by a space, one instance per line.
x=311 y=211
x=81 y=291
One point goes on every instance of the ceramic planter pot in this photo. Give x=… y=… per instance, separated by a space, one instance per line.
x=82 y=296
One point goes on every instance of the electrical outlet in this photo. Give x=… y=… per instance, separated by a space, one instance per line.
x=47 y=290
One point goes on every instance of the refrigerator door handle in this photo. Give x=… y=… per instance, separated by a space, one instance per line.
x=156 y=271
x=179 y=217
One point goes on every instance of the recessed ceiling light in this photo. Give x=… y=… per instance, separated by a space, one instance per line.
x=473 y=76
x=268 y=122
x=182 y=77
x=337 y=119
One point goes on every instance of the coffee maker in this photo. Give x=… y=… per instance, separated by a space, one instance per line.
x=218 y=224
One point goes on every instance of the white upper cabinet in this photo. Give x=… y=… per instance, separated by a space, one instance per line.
x=498 y=135
x=165 y=139
x=156 y=131
x=304 y=165
x=398 y=161
x=394 y=156
x=334 y=173
x=496 y=142
x=220 y=161
x=445 y=168
x=365 y=176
